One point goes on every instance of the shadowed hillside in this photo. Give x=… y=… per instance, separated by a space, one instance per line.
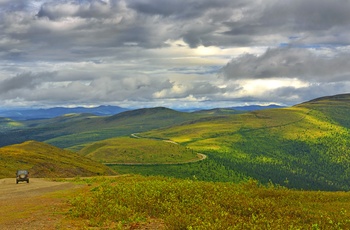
x=76 y=130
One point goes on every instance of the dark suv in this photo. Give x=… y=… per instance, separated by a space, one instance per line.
x=22 y=175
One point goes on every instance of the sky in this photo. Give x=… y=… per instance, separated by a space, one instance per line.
x=177 y=54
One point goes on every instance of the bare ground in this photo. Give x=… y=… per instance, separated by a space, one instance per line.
x=40 y=204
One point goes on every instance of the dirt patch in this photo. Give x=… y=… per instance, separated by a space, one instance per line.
x=40 y=204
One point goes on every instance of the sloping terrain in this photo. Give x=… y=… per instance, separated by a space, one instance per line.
x=335 y=107
x=305 y=146
x=43 y=160
x=74 y=131
x=126 y=150
x=28 y=114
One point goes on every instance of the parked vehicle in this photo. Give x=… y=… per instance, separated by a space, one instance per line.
x=22 y=175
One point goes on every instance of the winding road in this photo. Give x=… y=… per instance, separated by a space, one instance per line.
x=134 y=135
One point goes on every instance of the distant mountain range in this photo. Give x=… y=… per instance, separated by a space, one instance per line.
x=29 y=114
x=104 y=110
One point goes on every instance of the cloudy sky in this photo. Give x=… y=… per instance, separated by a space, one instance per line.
x=179 y=54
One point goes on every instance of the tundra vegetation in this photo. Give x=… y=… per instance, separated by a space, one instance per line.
x=269 y=169
x=126 y=150
x=43 y=160
x=132 y=201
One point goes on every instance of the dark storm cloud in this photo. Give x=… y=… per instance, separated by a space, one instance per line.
x=23 y=81
x=183 y=9
x=97 y=25
x=87 y=9
x=290 y=63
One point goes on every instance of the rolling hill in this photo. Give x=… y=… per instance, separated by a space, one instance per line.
x=74 y=131
x=43 y=160
x=134 y=151
x=305 y=146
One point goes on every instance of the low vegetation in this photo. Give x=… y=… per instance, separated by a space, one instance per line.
x=43 y=160
x=304 y=147
x=138 y=151
x=256 y=162
x=74 y=131
x=164 y=203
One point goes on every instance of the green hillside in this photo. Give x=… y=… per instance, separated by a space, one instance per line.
x=305 y=146
x=335 y=107
x=138 y=151
x=135 y=202
x=9 y=124
x=74 y=131
x=43 y=160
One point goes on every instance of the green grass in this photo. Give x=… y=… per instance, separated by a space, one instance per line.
x=303 y=145
x=306 y=145
x=75 y=131
x=186 y=204
x=138 y=151
x=206 y=170
x=43 y=160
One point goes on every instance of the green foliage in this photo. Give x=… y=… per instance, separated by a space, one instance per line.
x=308 y=145
x=8 y=124
x=138 y=150
x=76 y=131
x=206 y=170
x=188 y=204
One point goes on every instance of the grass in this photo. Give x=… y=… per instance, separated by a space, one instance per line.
x=43 y=160
x=75 y=131
x=138 y=151
x=305 y=144
x=187 y=204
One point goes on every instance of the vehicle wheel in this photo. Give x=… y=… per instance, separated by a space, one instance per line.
x=16 y=181
x=27 y=181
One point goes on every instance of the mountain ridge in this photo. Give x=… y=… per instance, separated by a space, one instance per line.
x=28 y=114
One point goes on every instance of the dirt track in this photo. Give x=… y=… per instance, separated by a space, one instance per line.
x=33 y=205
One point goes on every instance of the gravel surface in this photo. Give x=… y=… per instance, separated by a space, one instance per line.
x=33 y=205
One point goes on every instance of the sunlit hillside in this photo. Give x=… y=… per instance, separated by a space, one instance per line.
x=74 y=131
x=8 y=124
x=43 y=160
x=305 y=146
x=126 y=150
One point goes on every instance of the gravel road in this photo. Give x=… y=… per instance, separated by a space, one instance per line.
x=33 y=205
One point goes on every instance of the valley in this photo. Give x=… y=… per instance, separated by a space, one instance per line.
x=277 y=157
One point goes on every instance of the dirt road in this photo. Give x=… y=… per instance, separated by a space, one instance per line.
x=39 y=204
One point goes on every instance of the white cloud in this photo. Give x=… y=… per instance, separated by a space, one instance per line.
x=168 y=52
